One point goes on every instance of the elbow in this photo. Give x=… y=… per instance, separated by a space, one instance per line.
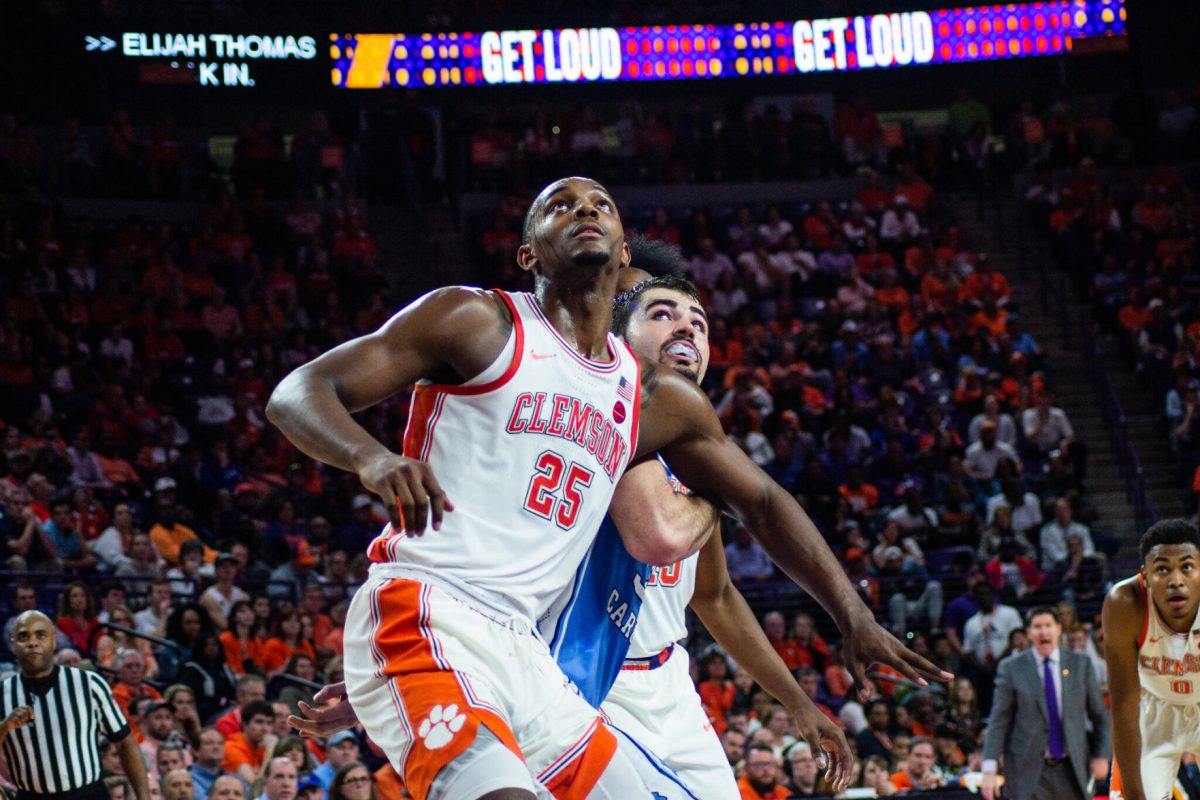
x=660 y=550
x=280 y=403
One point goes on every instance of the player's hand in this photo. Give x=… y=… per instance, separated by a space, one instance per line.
x=19 y=718
x=868 y=643
x=828 y=744
x=409 y=491
x=987 y=787
x=332 y=714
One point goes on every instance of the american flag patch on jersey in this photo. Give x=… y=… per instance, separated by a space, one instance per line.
x=625 y=389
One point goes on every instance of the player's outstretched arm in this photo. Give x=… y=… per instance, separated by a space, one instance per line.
x=449 y=335
x=1122 y=620
x=659 y=525
x=678 y=421
x=727 y=615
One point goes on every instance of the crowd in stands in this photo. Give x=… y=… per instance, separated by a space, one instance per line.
x=862 y=353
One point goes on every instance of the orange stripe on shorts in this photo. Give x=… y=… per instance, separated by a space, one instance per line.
x=576 y=780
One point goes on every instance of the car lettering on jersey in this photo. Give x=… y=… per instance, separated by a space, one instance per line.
x=565 y=417
x=1163 y=665
x=621 y=615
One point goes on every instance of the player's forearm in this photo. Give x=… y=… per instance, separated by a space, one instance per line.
x=733 y=625
x=312 y=416
x=793 y=542
x=135 y=767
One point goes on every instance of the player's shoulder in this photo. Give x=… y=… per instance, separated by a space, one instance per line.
x=1125 y=604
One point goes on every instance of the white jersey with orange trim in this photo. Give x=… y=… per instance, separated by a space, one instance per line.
x=1168 y=662
x=529 y=452
x=662 y=620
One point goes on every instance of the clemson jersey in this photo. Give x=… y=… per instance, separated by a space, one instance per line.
x=1168 y=662
x=529 y=452
x=668 y=592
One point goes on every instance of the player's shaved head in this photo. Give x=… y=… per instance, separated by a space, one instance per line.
x=549 y=191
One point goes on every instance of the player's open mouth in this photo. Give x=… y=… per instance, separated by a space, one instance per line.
x=683 y=349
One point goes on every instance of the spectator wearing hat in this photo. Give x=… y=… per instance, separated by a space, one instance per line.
x=157 y=726
x=984 y=455
x=289 y=578
x=218 y=599
x=340 y=749
x=169 y=534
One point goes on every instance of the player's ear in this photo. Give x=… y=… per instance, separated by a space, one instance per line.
x=526 y=259
x=626 y=256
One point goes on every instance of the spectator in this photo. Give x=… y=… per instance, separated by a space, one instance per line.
x=1012 y=574
x=245 y=751
x=745 y=558
x=985 y=455
x=168 y=534
x=1054 y=535
x=761 y=781
x=1006 y=429
x=249 y=688
x=806 y=780
x=67 y=548
x=352 y=781
x=153 y=618
x=919 y=771
x=112 y=642
x=281 y=779
x=131 y=671
x=177 y=785
x=182 y=701
x=286 y=640
x=985 y=635
x=219 y=599
x=875 y=776
x=1001 y=528
x=1047 y=428
x=111 y=547
x=210 y=755
x=915 y=594
x=716 y=690
x=77 y=615
x=1025 y=511
x=341 y=748
x=227 y=787
x=157 y=725
x=874 y=739
x=244 y=641
x=206 y=673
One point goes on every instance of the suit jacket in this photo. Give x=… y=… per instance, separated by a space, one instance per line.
x=1019 y=726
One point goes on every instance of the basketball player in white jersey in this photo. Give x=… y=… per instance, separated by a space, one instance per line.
x=1152 y=647
x=528 y=411
x=653 y=697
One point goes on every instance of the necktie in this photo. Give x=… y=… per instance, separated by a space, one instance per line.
x=1056 y=734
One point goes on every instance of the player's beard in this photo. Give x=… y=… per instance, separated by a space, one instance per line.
x=591 y=258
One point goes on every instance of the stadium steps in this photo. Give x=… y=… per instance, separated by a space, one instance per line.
x=1052 y=315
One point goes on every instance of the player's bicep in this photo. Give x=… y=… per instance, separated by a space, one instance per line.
x=449 y=331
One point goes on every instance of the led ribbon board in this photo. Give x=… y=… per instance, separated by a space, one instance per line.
x=690 y=52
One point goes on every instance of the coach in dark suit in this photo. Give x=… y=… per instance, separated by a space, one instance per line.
x=1048 y=720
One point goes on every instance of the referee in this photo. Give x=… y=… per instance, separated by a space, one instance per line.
x=52 y=716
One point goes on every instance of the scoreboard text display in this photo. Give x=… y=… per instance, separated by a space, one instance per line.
x=690 y=52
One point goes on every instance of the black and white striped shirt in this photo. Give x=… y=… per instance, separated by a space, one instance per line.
x=60 y=751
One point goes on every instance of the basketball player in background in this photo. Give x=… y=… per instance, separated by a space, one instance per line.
x=1152 y=647
x=455 y=684
x=651 y=695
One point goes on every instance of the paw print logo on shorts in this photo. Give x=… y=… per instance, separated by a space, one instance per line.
x=439 y=727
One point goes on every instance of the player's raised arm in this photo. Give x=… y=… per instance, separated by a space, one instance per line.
x=728 y=617
x=1122 y=619
x=678 y=421
x=449 y=335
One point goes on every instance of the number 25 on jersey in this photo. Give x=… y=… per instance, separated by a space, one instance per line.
x=555 y=490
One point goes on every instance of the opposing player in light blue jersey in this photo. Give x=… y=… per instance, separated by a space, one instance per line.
x=652 y=696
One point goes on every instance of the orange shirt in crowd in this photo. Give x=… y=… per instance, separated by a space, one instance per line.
x=750 y=793
x=238 y=751
x=1133 y=318
x=236 y=653
x=168 y=542
x=717 y=699
x=124 y=696
x=276 y=653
